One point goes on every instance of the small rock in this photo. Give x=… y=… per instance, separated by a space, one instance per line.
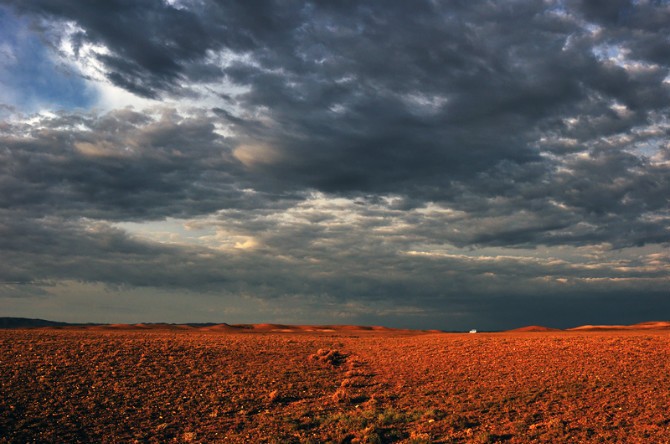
x=274 y=396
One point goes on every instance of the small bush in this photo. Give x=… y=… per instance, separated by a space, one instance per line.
x=483 y=438
x=355 y=381
x=390 y=416
x=342 y=395
x=328 y=357
x=419 y=438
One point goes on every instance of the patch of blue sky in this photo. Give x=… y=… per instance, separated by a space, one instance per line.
x=32 y=79
x=650 y=148
x=607 y=52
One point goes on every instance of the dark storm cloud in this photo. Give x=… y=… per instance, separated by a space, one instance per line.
x=354 y=151
x=122 y=165
x=130 y=166
x=150 y=41
x=384 y=97
x=53 y=249
x=297 y=262
x=447 y=103
x=342 y=262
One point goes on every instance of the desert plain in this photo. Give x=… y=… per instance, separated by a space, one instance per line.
x=334 y=384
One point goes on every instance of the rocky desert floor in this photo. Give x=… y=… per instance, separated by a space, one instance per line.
x=339 y=385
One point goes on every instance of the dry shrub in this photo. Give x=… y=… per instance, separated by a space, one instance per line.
x=354 y=363
x=342 y=395
x=556 y=424
x=328 y=357
x=460 y=422
x=188 y=437
x=353 y=382
x=373 y=435
x=373 y=402
x=483 y=437
x=419 y=438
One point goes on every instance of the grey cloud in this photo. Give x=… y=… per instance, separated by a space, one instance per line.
x=435 y=128
x=121 y=165
x=379 y=97
x=127 y=165
x=338 y=266
x=150 y=41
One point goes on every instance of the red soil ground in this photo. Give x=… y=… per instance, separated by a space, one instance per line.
x=287 y=384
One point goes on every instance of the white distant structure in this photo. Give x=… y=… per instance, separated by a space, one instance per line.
x=473 y=331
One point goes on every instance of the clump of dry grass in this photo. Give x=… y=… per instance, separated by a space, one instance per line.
x=342 y=395
x=328 y=357
x=356 y=381
x=419 y=438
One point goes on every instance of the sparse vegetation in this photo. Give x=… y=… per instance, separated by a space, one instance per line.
x=483 y=437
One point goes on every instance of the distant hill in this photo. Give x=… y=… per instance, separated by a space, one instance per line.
x=11 y=322
x=28 y=322
x=655 y=325
x=534 y=328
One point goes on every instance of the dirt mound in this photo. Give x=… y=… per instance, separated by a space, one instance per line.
x=533 y=328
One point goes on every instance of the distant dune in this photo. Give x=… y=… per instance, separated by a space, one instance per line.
x=241 y=328
x=114 y=327
x=657 y=325
x=220 y=328
x=534 y=328
x=10 y=322
x=139 y=327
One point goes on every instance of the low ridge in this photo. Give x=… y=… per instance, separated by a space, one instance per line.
x=534 y=328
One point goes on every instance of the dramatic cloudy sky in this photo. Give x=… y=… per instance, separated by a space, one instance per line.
x=424 y=164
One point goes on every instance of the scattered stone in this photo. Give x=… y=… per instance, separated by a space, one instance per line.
x=274 y=396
